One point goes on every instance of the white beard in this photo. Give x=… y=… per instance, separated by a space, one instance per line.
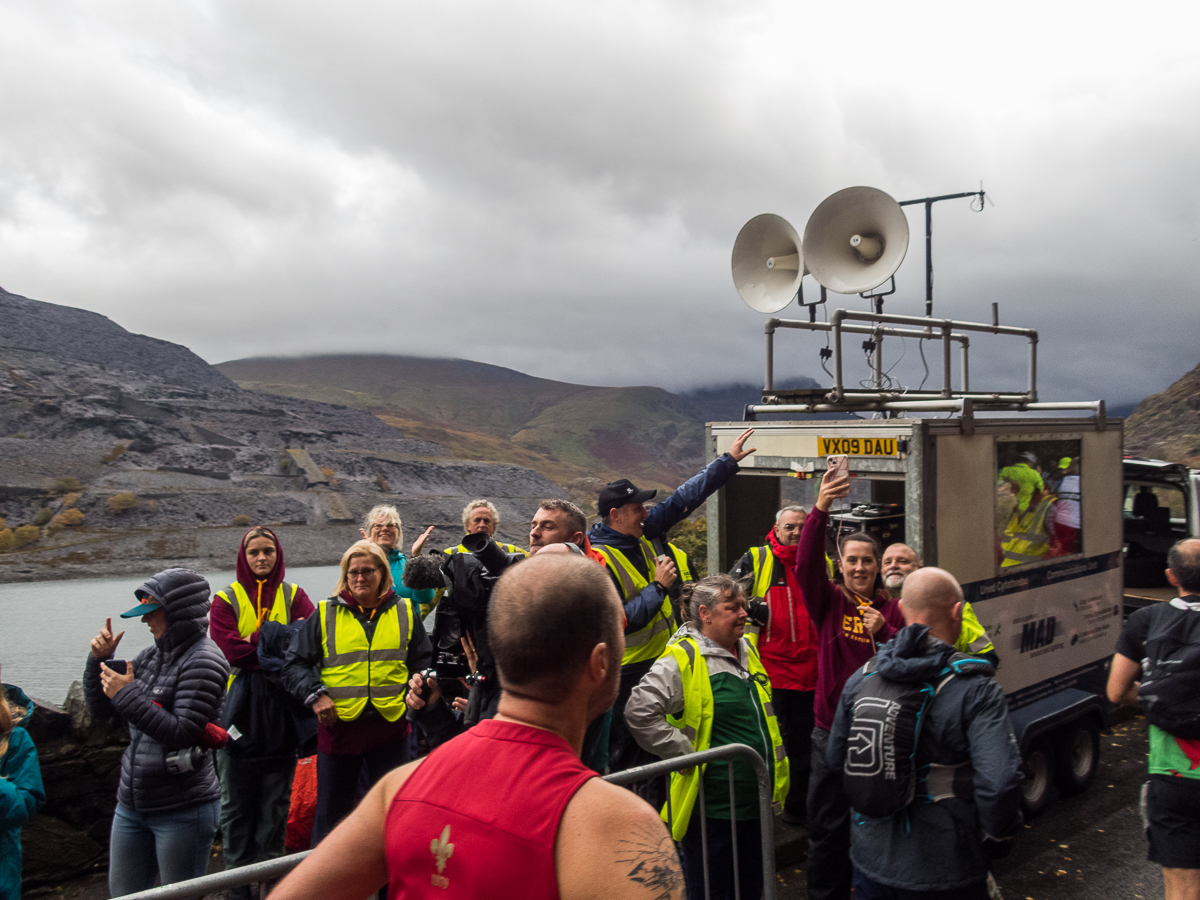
x=892 y=582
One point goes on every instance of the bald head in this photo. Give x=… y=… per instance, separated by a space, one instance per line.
x=546 y=617
x=932 y=597
x=1183 y=565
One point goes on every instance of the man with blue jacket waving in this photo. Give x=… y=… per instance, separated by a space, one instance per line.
x=632 y=541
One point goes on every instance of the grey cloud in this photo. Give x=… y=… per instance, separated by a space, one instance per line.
x=556 y=187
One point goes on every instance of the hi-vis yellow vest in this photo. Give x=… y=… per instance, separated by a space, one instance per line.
x=355 y=671
x=507 y=548
x=696 y=724
x=649 y=641
x=1026 y=539
x=248 y=620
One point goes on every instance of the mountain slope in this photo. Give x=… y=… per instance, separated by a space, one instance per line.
x=479 y=411
x=1167 y=425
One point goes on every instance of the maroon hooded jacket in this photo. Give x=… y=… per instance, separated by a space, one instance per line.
x=844 y=644
x=222 y=625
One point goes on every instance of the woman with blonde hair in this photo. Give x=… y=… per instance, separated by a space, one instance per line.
x=350 y=663
x=21 y=793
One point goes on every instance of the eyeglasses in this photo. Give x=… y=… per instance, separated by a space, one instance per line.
x=384 y=527
x=362 y=573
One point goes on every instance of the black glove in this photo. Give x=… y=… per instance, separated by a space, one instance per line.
x=758 y=611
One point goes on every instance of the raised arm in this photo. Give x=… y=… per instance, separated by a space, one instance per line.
x=689 y=495
x=811 y=574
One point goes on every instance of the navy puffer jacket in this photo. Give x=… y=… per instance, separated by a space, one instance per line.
x=177 y=690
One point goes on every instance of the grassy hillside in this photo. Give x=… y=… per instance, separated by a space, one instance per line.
x=568 y=432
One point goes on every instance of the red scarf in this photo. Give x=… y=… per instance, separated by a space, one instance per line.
x=780 y=599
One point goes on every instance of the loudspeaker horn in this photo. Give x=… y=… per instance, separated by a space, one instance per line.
x=768 y=263
x=855 y=240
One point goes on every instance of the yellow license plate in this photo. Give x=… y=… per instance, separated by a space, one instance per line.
x=853 y=446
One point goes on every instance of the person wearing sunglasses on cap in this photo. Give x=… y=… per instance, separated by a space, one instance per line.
x=168 y=798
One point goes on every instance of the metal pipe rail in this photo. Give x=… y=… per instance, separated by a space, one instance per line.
x=965 y=406
x=945 y=326
x=962 y=340
x=195 y=888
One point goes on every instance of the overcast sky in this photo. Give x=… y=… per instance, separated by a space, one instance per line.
x=556 y=187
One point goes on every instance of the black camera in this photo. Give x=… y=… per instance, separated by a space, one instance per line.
x=758 y=611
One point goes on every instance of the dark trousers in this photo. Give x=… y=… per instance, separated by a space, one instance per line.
x=623 y=750
x=866 y=889
x=720 y=859
x=339 y=777
x=829 y=870
x=794 y=712
x=254 y=808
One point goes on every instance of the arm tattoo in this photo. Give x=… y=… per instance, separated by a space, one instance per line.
x=653 y=863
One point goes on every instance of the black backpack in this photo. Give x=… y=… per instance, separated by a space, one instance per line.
x=1170 y=691
x=880 y=773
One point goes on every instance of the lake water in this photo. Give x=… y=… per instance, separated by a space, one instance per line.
x=46 y=627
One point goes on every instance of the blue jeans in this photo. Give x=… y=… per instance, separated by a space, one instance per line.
x=174 y=845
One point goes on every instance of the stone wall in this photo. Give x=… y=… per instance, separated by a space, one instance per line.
x=81 y=763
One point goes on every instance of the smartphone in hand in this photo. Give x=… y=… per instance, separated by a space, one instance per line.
x=839 y=465
x=120 y=666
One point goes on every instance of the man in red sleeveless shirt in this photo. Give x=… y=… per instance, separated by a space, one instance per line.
x=507 y=810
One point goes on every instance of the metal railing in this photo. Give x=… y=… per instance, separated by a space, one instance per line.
x=195 y=888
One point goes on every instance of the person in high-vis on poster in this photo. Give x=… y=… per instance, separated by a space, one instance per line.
x=900 y=561
x=1027 y=536
x=255 y=792
x=351 y=663
x=710 y=689
x=643 y=573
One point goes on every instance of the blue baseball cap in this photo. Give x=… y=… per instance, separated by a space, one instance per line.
x=148 y=605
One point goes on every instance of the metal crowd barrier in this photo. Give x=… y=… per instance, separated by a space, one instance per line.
x=274 y=869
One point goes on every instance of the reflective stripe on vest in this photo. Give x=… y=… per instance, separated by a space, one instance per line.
x=972 y=638
x=1026 y=538
x=354 y=672
x=248 y=619
x=507 y=548
x=696 y=723
x=681 y=563
x=649 y=641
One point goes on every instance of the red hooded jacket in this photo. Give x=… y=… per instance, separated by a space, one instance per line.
x=222 y=625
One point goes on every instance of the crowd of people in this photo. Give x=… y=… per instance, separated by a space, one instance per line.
x=460 y=707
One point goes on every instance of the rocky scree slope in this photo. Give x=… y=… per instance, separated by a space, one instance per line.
x=1167 y=425
x=165 y=459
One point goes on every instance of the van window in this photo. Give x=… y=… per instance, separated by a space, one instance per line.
x=1038 y=502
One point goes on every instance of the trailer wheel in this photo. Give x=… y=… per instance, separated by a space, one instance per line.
x=1038 y=767
x=1078 y=757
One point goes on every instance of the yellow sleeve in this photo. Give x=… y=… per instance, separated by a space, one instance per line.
x=972 y=638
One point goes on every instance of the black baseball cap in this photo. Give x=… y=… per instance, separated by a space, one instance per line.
x=618 y=493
